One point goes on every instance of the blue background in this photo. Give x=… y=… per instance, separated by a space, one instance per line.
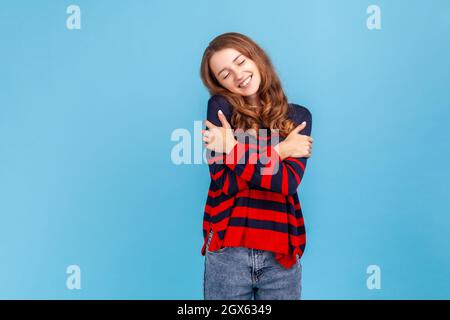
x=86 y=118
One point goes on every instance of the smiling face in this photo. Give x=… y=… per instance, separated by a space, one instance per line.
x=236 y=72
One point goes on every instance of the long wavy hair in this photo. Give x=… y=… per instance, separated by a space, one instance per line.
x=274 y=110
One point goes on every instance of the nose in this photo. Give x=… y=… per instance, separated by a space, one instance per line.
x=239 y=77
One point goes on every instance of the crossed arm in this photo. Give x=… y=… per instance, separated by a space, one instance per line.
x=249 y=163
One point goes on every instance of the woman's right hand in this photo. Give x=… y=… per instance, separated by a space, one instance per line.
x=295 y=145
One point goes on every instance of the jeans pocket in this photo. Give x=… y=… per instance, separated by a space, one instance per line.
x=219 y=251
x=209 y=239
x=208 y=243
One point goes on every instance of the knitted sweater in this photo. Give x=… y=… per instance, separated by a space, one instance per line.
x=252 y=198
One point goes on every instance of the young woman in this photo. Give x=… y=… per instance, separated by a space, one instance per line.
x=253 y=227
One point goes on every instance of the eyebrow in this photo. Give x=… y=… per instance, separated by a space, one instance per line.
x=225 y=68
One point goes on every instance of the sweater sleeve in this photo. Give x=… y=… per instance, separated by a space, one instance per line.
x=264 y=167
x=221 y=175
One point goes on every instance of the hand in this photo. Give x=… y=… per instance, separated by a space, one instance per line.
x=295 y=145
x=219 y=139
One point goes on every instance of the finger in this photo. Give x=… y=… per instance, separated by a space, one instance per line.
x=206 y=133
x=209 y=124
x=208 y=146
x=223 y=120
x=299 y=128
x=307 y=152
x=208 y=139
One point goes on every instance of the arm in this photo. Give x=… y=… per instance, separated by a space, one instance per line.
x=222 y=176
x=283 y=176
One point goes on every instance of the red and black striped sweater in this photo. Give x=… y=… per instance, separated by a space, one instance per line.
x=251 y=202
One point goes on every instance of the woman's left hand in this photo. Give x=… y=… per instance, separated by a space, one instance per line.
x=219 y=139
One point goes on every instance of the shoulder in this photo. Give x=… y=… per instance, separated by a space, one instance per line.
x=216 y=103
x=219 y=102
x=299 y=113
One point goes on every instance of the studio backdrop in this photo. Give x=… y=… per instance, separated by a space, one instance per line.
x=97 y=98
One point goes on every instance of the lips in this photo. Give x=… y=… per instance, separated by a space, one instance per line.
x=246 y=82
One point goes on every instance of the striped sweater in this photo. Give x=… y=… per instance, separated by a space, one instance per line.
x=252 y=198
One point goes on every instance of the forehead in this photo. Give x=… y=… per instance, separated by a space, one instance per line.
x=223 y=58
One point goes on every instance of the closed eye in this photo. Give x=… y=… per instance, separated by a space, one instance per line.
x=240 y=63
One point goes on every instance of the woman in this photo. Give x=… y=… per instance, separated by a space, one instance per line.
x=253 y=227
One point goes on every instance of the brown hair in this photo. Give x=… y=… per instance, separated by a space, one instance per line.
x=274 y=110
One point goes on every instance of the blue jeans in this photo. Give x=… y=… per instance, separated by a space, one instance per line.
x=238 y=273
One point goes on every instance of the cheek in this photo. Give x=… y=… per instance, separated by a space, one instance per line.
x=227 y=84
x=254 y=67
x=258 y=73
x=259 y=79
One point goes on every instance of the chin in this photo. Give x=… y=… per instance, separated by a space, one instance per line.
x=250 y=93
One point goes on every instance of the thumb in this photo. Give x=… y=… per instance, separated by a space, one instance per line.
x=223 y=120
x=299 y=128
